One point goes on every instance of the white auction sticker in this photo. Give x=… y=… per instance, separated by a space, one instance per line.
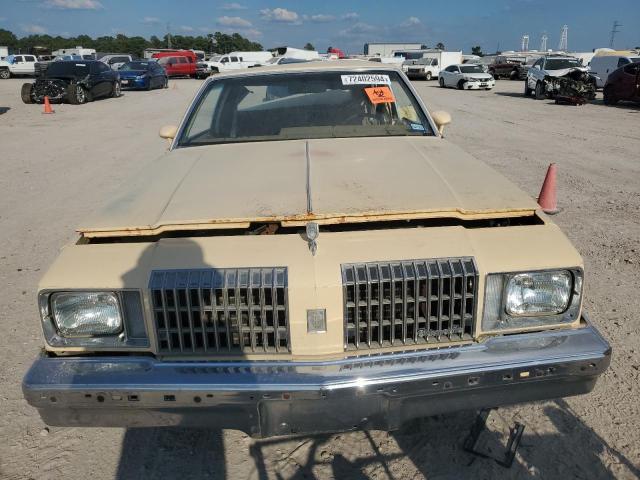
x=366 y=79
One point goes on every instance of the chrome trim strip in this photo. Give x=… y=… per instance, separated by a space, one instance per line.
x=145 y=374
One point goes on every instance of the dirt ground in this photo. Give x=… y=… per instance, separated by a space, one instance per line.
x=56 y=169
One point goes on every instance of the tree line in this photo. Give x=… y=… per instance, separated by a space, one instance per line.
x=217 y=42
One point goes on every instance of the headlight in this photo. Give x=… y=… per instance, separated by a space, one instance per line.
x=530 y=299
x=86 y=314
x=539 y=293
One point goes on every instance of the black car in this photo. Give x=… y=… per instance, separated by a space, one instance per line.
x=74 y=81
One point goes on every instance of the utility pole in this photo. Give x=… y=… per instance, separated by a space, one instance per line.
x=564 y=39
x=614 y=30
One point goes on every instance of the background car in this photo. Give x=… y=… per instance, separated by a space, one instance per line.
x=549 y=66
x=17 y=65
x=178 y=64
x=73 y=82
x=466 y=77
x=116 y=60
x=143 y=75
x=623 y=84
x=604 y=65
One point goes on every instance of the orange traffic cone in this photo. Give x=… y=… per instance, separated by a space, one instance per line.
x=548 y=198
x=47 y=106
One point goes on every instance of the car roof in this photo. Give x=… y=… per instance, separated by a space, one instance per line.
x=80 y=61
x=321 y=66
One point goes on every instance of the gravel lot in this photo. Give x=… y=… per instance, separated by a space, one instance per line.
x=56 y=169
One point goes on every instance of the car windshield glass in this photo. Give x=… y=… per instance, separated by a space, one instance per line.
x=68 y=69
x=561 y=63
x=135 y=66
x=471 y=69
x=304 y=105
x=635 y=59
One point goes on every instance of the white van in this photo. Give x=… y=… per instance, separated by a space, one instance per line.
x=603 y=65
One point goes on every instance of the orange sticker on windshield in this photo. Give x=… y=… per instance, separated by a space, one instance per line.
x=380 y=95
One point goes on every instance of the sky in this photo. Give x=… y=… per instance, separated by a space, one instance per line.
x=346 y=24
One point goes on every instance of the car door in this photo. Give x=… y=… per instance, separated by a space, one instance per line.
x=629 y=88
x=535 y=73
x=29 y=64
x=18 y=65
x=101 y=81
x=454 y=76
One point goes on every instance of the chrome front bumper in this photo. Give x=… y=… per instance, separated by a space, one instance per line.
x=281 y=398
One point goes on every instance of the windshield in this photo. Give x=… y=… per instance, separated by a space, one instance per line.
x=471 y=69
x=561 y=63
x=304 y=105
x=68 y=69
x=135 y=66
x=635 y=59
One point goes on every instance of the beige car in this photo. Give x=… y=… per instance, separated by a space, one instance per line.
x=311 y=255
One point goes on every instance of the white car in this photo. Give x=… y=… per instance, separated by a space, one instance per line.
x=551 y=66
x=423 y=68
x=466 y=77
x=17 y=65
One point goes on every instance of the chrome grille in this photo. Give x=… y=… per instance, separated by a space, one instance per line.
x=230 y=310
x=413 y=302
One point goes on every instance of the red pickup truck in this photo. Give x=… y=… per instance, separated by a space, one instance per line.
x=181 y=63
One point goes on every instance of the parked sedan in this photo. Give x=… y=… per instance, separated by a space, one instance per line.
x=466 y=77
x=143 y=75
x=73 y=82
x=623 y=84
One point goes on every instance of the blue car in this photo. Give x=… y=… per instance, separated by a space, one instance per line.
x=145 y=75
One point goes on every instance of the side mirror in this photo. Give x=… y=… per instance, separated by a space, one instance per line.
x=168 y=131
x=441 y=118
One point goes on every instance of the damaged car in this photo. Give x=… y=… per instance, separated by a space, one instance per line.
x=74 y=82
x=560 y=77
x=310 y=255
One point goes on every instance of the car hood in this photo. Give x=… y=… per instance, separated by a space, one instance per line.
x=293 y=182
x=565 y=71
x=478 y=76
x=131 y=73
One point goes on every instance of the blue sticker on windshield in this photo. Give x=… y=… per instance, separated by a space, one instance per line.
x=418 y=127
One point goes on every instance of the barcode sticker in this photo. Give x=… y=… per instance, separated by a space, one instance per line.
x=366 y=79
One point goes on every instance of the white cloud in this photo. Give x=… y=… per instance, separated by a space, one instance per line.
x=151 y=20
x=252 y=33
x=281 y=15
x=34 y=29
x=237 y=22
x=320 y=18
x=74 y=4
x=232 y=6
x=350 y=16
x=411 y=22
x=359 y=29
x=186 y=28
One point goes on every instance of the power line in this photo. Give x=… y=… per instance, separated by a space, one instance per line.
x=614 y=30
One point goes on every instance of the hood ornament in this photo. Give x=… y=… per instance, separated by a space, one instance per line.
x=313 y=232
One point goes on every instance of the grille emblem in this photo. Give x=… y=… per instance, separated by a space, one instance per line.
x=313 y=232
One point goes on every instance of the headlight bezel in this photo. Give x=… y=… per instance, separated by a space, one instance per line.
x=496 y=320
x=133 y=332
